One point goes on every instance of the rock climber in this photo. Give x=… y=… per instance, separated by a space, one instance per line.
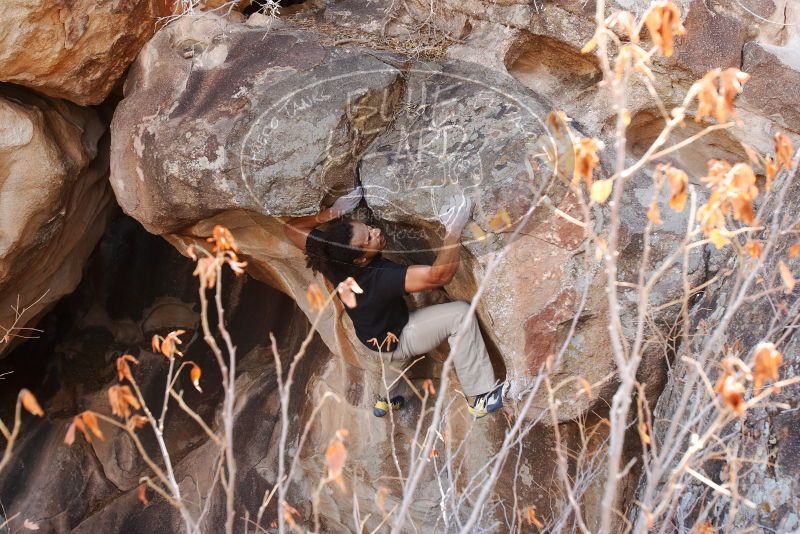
x=381 y=319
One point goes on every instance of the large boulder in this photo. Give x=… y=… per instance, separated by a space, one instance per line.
x=74 y=50
x=211 y=132
x=55 y=202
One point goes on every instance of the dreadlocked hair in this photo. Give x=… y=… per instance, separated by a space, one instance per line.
x=329 y=250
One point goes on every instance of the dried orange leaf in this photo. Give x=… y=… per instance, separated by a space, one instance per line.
x=141 y=494
x=91 y=422
x=718 y=238
x=586 y=159
x=766 y=362
x=30 y=403
x=589 y=46
x=654 y=214
x=69 y=437
x=643 y=434
x=601 y=190
x=530 y=516
x=784 y=151
x=794 y=250
x=585 y=386
x=194 y=374
x=335 y=457
x=380 y=497
x=732 y=393
x=754 y=248
x=30 y=525
x=663 y=21
x=786 y=277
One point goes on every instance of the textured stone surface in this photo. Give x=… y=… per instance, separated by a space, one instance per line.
x=54 y=199
x=286 y=131
x=774 y=90
x=75 y=50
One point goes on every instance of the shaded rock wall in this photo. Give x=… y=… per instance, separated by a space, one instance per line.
x=54 y=200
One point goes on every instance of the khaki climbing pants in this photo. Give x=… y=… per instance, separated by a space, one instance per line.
x=426 y=329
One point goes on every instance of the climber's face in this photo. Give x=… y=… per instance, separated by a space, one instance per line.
x=369 y=239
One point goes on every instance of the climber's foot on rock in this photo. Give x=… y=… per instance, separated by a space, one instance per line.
x=381 y=407
x=487 y=403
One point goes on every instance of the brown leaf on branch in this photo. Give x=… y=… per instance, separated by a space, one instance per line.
x=794 y=250
x=663 y=21
x=624 y=23
x=90 y=420
x=289 y=513
x=335 y=457
x=730 y=388
x=654 y=214
x=786 y=277
x=30 y=403
x=122 y=400
x=766 y=362
x=754 y=249
x=141 y=494
x=716 y=92
x=83 y=421
x=123 y=369
x=69 y=437
x=784 y=151
x=601 y=190
x=770 y=170
x=137 y=421
x=222 y=240
x=678 y=182
x=194 y=374
x=206 y=271
x=586 y=159
x=169 y=344
x=530 y=516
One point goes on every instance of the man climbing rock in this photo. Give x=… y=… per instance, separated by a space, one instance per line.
x=381 y=318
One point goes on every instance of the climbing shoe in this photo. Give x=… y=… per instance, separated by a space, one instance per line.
x=382 y=406
x=487 y=402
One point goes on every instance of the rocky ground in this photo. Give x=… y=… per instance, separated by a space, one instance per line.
x=116 y=127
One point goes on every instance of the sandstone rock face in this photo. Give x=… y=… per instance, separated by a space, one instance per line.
x=211 y=133
x=73 y=50
x=55 y=200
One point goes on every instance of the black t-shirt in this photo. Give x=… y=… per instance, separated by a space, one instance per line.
x=381 y=308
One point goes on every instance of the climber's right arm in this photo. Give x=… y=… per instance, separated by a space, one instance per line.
x=298 y=228
x=422 y=277
x=441 y=273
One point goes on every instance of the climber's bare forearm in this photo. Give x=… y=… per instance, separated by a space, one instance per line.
x=298 y=228
x=447 y=259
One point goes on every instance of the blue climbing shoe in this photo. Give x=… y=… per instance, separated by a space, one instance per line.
x=487 y=403
x=382 y=406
